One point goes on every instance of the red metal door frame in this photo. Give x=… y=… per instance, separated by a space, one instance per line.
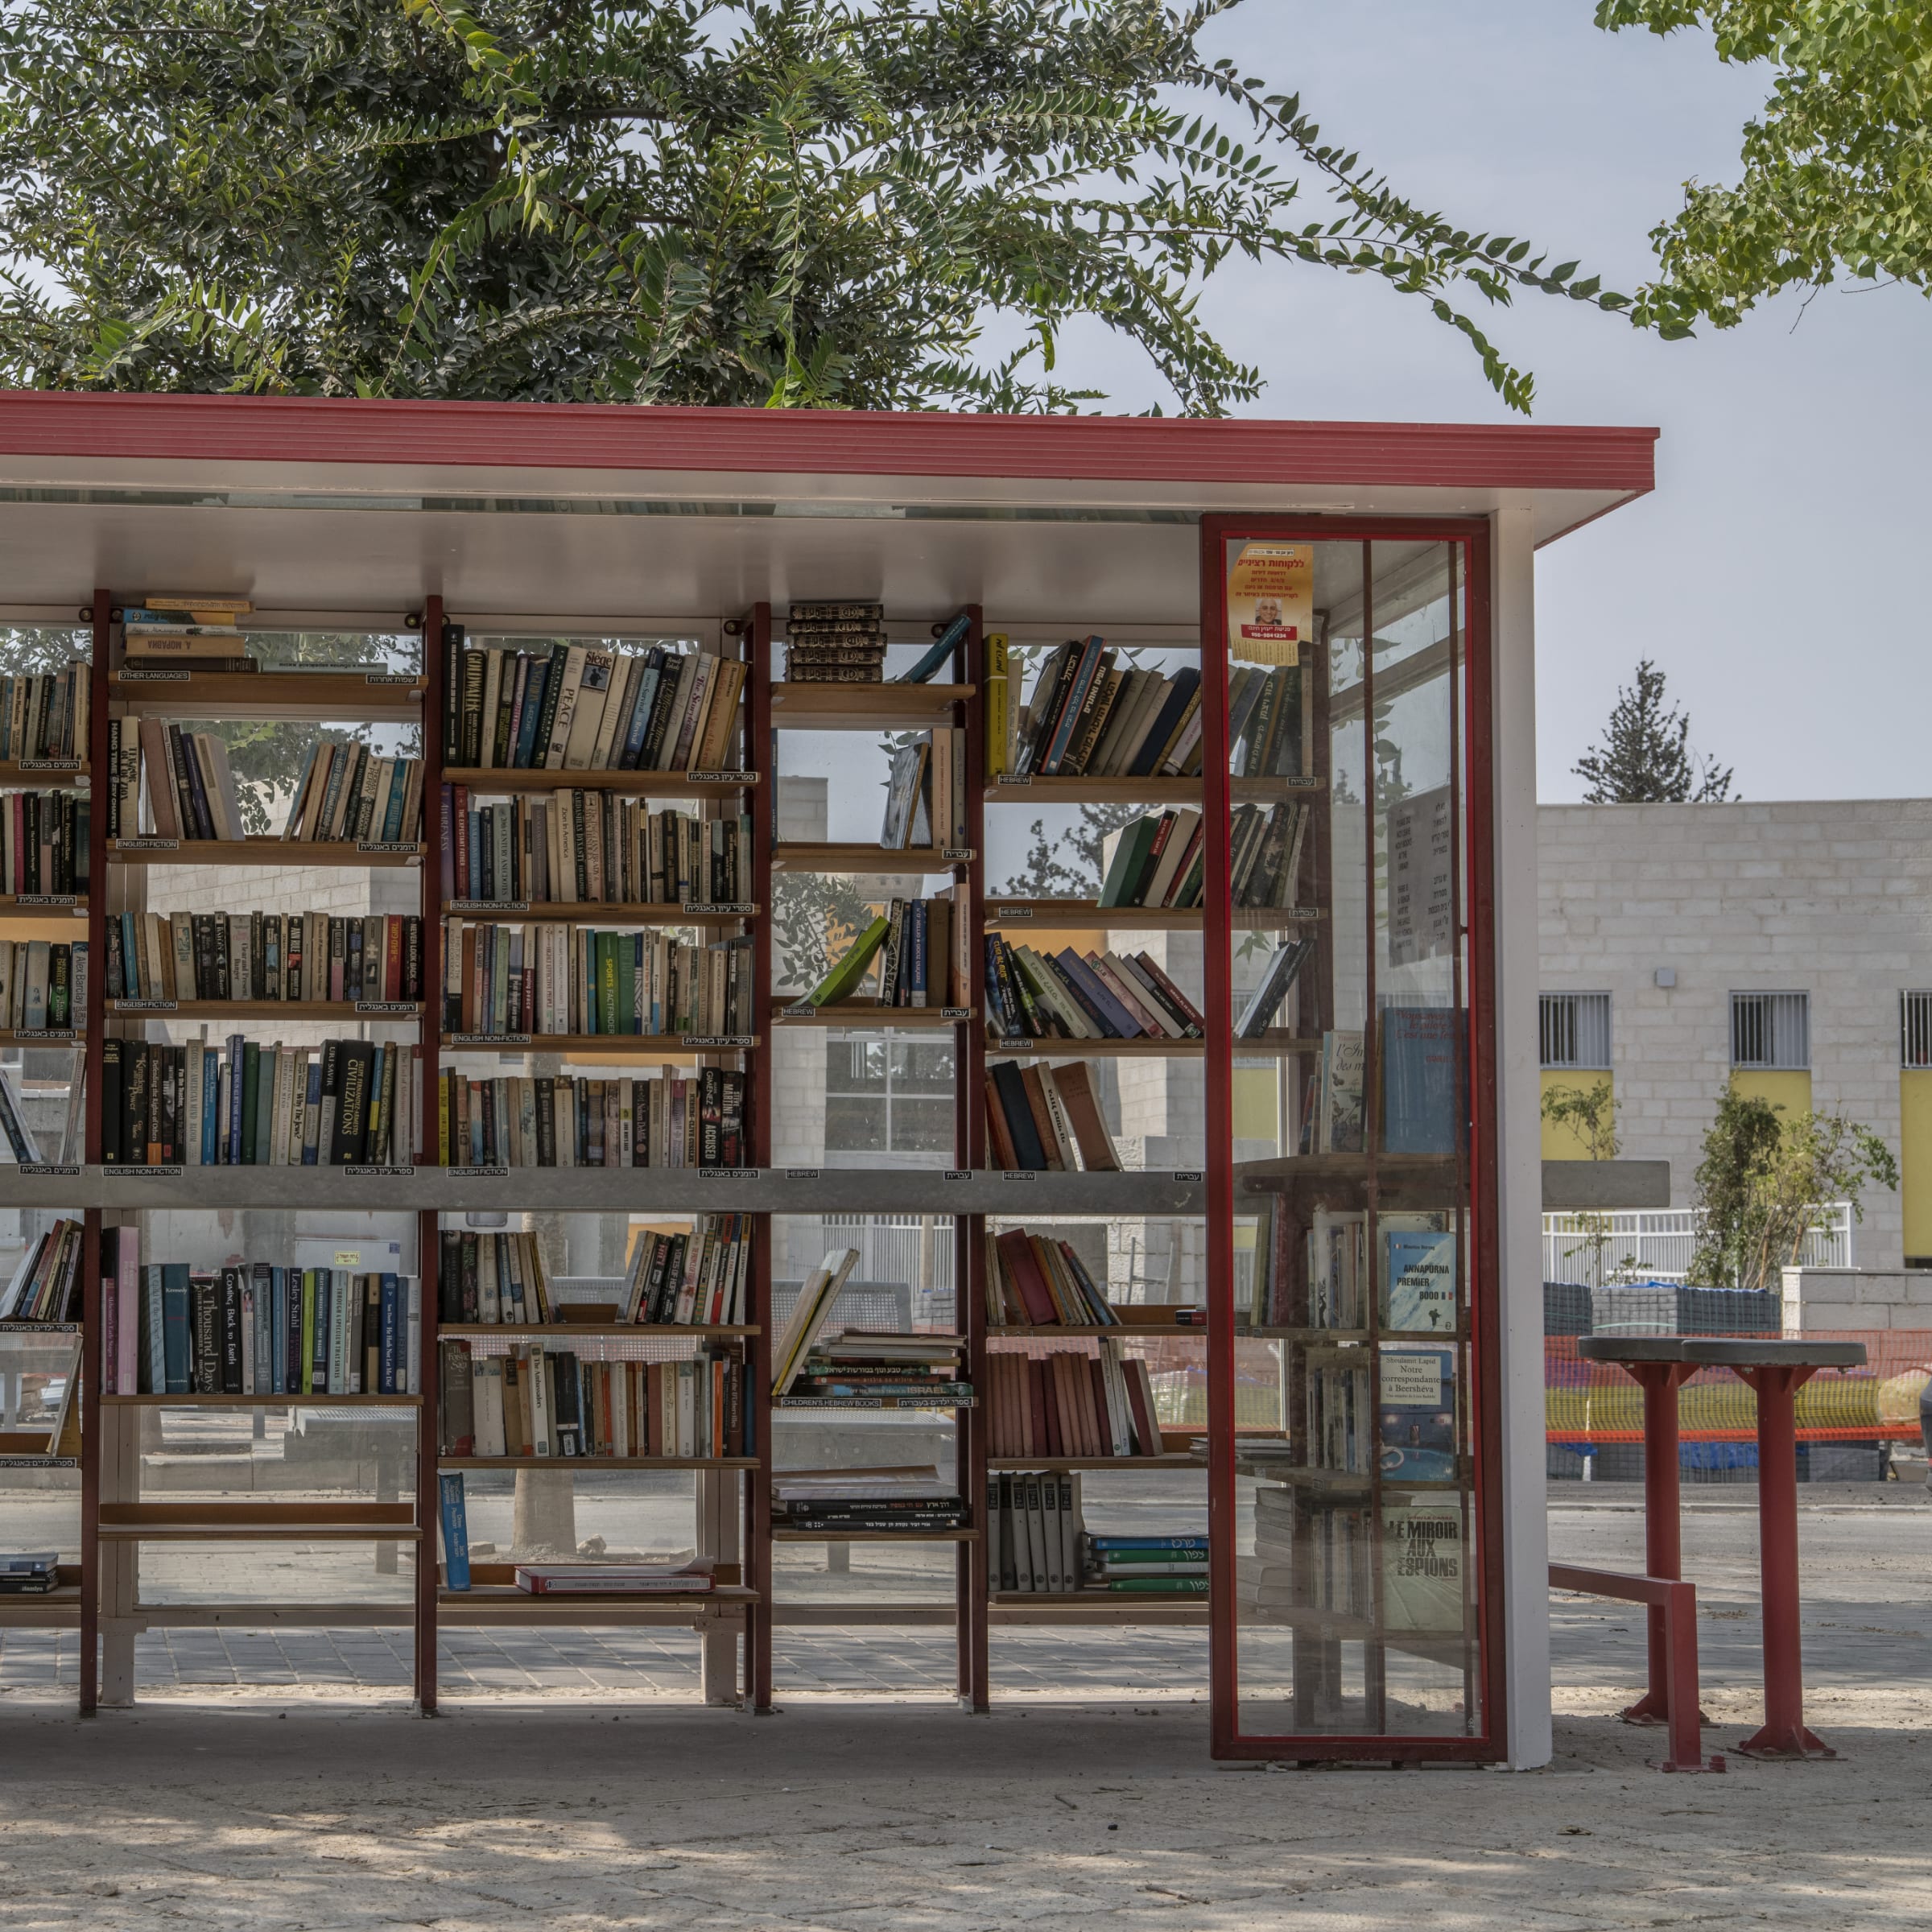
x=1228 y=1740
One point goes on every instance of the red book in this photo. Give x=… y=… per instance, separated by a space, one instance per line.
x=1140 y=1403
x=1023 y=1270
x=392 y=957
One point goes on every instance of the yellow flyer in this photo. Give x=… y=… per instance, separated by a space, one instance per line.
x=1270 y=602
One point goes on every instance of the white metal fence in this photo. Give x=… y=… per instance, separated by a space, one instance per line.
x=1656 y=1244
x=916 y=1249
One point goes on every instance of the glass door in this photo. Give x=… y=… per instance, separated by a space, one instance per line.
x=1346 y=1288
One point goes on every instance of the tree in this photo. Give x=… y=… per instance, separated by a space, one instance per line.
x=1763 y=1179
x=1589 y=1114
x=806 y=202
x=1835 y=178
x=1646 y=757
x=1068 y=866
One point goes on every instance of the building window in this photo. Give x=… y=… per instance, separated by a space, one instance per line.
x=1771 y=1029
x=1915 y=1029
x=1574 y=1028
x=884 y=1097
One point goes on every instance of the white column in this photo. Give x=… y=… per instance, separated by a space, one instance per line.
x=1525 y=1528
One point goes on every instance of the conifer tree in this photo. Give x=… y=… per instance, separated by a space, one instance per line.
x=1644 y=758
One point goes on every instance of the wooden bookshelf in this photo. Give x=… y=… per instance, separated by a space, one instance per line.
x=796 y=706
x=320 y=696
x=1011 y=918
x=319 y=1013
x=875 y=1536
x=580 y=1464
x=42 y=906
x=592 y=1332
x=44 y=775
x=611 y=1045
x=1168 y=1460
x=863 y=861
x=583 y=912
x=1041 y=791
x=316 y=853
x=506 y=779
x=868 y=1014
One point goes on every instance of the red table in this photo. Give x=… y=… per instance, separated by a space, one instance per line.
x=1776 y=1370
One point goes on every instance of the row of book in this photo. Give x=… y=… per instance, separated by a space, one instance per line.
x=491 y=1277
x=588 y=708
x=910 y=1499
x=1264 y=722
x=45 y=714
x=172 y=635
x=1157 y=860
x=1034 y=1532
x=863 y=1367
x=835 y=642
x=1264 y=846
x=1279 y=976
x=347 y=793
x=537 y=1399
x=1146 y=1566
x=1036 y=1281
x=347 y=1103
x=576 y=847
x=1088 y=716
x=1096 y=996
x=1047 y=1118
x=912 y=944
x=660 y=1120
x=1423 y=1097
x=43 y=842
x=1323 y=1559
x=1415 y=1285
x=1393 y=1408
x=926 y=793
x=44 y=984
x=253 y=1329
x=46 y=1284
x=1064 y=1402
x=530 y=979
x=289 y=957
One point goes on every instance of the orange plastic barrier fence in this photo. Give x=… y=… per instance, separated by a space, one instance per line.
x=1598 y=1402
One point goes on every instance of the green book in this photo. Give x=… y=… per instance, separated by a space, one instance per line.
x=607 y=982
x=1132 y=844
x=838 y=983
x=251 y=1098
x=1171 y=1586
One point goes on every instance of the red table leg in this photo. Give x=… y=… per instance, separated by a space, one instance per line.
x=1663 y=1537
x=1784 y=1734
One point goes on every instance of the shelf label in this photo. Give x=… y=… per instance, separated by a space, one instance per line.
x=1014 y=778
x=44 y=1033
x=395 y=677
x=360 y=1172
x=801 y=1173
x=378 y=847
x=490 y=905
x=1013 y=912
x=47 y=1170
x=38 y=1462
x=959 y=1173
x=142 y=1173
x=148 y=844
x=724 y=1042
x=735 y=909
x=727 y=1174
x=955 y=1013
x=483 y=1173
x=146 y=1005
x=957 y=855
x=489 y=1040
x=1019 y=1173
x=170 y=676
x=1189 y=1175
x=382 y=1006
x=46 y=898
x=49 y=764
x=720 y=778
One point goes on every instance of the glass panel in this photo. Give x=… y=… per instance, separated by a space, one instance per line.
x=1355 y=1500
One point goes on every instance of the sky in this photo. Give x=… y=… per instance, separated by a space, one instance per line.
x=1770 y=574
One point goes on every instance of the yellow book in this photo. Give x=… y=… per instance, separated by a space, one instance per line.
x=999 y=732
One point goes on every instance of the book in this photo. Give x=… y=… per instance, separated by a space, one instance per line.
x=1284 y=966
x=1418 y=1272
x=616 y=1579
x=1416 y=1414
x=809 y=1315
x=839 y=983
x=455 y=1530
x=1423 y=1108
x=1423 y=1563
x=1338 y=1106
x=942 y=647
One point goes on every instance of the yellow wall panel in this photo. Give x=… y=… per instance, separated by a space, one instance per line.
x=1915 y=1159
x=1257 y=1103
x=1787 y=1090
x=1562 y=1142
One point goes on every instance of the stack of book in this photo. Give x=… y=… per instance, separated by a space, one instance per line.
x=43 y=841
x=1047 y=1118
x=46 y=1287
x=586 y=708
x=539 y=1399
x=1265 y=1582
x=1087 y=718
x=589 y=848
x=871 y=1502
x=347 y=794
x=835 y=643
x=557 y=979
x=1147 y=1566
x=188 y=631
x=1264 y=722
x=1066 y=1402
x=287 y=957
x=1157 y=860
x=1099 y=995
x=701 y=1279
x=349 y=1103
x=863 y=1368
x=490 y=1277
x=616 y=1579
x=1283 y=968
x=1265 y=853
x=912 y=942
x=1033 y=1533
x=43 y=984
x=648 y=1120
x=254 y=1329
x=29 y=1573
x=190 y=790
x=926 y=793
x=809 y=1315
x=44 y=716
x=1035 y=1281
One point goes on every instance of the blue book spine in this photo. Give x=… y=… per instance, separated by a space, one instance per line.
x=1113 y=1015
x=1421 y=1079
x=533 y=706
x=310 y=1152
x=176 y=1343
x=1070 y=715
x=210 y=1109
x=640 y=712
x=392 y=818
x=238 y=1046
x=456 y=1531
x=947 y=641
x=391 y=1343
x=130 y=960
